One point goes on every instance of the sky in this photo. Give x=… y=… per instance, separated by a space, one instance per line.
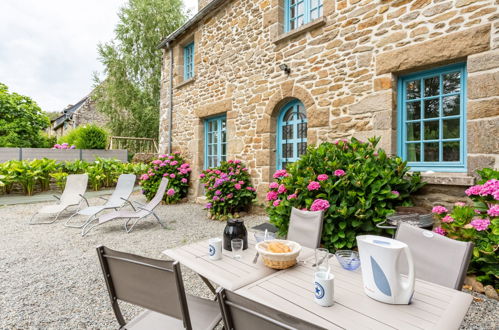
x=48 y=49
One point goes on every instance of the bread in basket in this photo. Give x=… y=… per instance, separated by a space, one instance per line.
x=279 y=260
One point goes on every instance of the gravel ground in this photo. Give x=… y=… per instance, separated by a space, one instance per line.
x=50 y=277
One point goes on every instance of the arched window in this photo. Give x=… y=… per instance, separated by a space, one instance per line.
x=291 y=133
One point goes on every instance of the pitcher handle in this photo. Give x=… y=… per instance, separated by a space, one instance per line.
x=411 y=276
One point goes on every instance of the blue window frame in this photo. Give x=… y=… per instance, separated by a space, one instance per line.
x=215 y=137
x=189 y=61
x=291 y=133
x=300 y=12
x=432 y=119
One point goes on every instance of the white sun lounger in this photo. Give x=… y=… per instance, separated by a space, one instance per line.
x=139 y=212
x=76 y=185
x=120 y=196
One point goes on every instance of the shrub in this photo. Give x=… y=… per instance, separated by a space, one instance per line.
x=356 y=185
x=60 y=179
x=478 y=223
x=45 y=166
x=178 y=172
x=64 y=146
x=228 y=189
x=86 y=137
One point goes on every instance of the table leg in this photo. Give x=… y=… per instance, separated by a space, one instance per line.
x=208 y=284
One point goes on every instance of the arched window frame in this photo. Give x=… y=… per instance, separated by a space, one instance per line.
x=295 y=106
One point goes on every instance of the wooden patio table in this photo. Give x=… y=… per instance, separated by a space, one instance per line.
x=291 y=291
x=227 y=272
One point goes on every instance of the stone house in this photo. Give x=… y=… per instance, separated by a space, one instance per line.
x=260 y=80
x=82 y=113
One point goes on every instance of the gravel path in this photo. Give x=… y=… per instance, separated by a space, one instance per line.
x=50 y=277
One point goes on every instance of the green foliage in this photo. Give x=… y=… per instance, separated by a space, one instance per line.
x=21 y=121
x=60 y=179
x=478 y=223
x=129 y=94
x=178 y=172
x=356 y=185
x=102 y=173
x=228 y=189
x=27 y=174
x=86 y=137
x=45 y=167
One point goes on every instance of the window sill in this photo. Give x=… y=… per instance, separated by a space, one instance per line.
x=448 y=178
x=186 y=82
x=302 y=29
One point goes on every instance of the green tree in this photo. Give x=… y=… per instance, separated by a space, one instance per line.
x=129 y=95
x=21 y=121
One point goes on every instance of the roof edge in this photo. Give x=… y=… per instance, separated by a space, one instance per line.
x=207 y=10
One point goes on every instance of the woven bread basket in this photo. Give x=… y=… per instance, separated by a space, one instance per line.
x=279 y=260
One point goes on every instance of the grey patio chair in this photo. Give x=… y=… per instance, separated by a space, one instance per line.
x=76 y=185
x=140 y=212
x=119 y=197
x=240 y=313
x=437 y=259
x=157 y=286
x=305 y=227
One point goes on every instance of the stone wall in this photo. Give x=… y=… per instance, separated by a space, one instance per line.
x=88 y=114
x=344 y=68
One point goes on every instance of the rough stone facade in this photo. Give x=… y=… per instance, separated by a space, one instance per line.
x=74 y=116
x=344 y=69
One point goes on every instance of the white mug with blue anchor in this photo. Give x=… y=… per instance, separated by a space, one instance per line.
x=215 y=248
x=324 y=288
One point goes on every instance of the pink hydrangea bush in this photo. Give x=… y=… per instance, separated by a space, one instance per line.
x=229 y=191
x=172 y=167
x=478 y=223
x=63 y=146
x=352 y=182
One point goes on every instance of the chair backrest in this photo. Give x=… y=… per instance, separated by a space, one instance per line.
x=76 y=185
x=437 y=259
x=159 y=195
x=243 y=314
x=305 y=227
x=153 y=284
x=123 y=189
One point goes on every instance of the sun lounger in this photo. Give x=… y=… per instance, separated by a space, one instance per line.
x=120 y=196
x=139 y=213
x=76 y=185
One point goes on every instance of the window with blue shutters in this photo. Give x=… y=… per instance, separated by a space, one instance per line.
x=432 y=119
x=215 y=137
x=189 y=61
x=300 y=12
x=291 y=133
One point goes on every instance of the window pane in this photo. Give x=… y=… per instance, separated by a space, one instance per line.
x=431 y=86
x=289 y=116
x=451 y=151
x=413 y=89
x=431 y=129
x=431 y=108
x=302 y=148
x=451 y=128
x=224 y=149
x=287 y=132
x=413 y=110
x=413 y=132
x=302 y=131
x=431 y=152
x=287 y=150
x=451 y=105
x=314 y=13
x=452 y=82
x=413 y=151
